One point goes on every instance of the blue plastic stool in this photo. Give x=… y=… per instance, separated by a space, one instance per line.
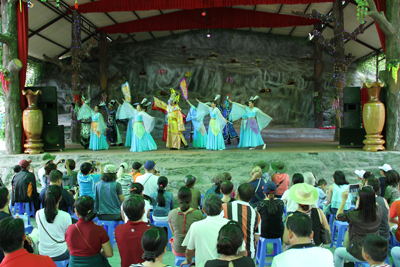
x=28 y=229
x=284 y=210
x=70 y=211
x=179 y=260
x=62 y=263
x=201 y=201
x=331 y=221
x=339 y=230
x=165 y=224
x=262 y=250
x=352 y=207
x=151 y=217
x=109 y=226
x=27 y=208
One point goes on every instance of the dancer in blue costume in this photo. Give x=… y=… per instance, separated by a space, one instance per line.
x=256 y=121
x=243 y=129
x=129 y=128
x=215 y=140
x=229 y=131
x=200 y=133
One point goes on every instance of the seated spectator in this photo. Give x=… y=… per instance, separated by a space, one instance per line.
x=395 y=252
x=12 y=237
x=383 y=170
x=149 y=179
x=302 y=253
x=226 y=190
x=375 y=249
x=52 y=224
x=129 y=235
x=16 y=169
x=87 y=179
x=24 y=186
x=124 y=178
x=364 y=220
x=257 y=182
x=181 y=219
x=291 y=205
x=392 y=186
x=321 y=192
x=108 y=196
x=271 y=210
x=394 y=214
x=136 y=166
x=230 y=238
x=164 y=201
x=190 y=181
x=88 y=243
x=360 y=176
x=137 y=189
x=241 y=211
x=264 y=169
x=70 y=177
x=309 y=178
x=46 y=159
x=47 y=170
x=205 y=245
x=216 y=189
x=340 y=184
x=228 y=177
x=154 y=242
x=280 y=178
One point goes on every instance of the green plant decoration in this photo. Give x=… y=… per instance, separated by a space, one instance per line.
x=394 y=66
x=318 y=105
x=362 y=9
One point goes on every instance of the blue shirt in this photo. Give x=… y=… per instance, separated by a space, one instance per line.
x=321 y=196
x=259 y=191
x=87 y=184
x=106 y=199
x=212 y=191
x=169 y=204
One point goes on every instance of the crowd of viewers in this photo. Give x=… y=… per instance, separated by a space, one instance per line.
x=221 y=229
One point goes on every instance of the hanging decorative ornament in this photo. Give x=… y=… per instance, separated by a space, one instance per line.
x=393 y=65
x=5 y=80
x=362 y=9
x=188 y=74
x=161 y=71
x=229 y=80
x=76 y=4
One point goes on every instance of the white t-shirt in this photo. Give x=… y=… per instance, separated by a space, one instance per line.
x=292 y=206
x=203 y=237
x=304 y=257
x=41 y=173
x=149 y=182
x=147 y=207
x=57 y=230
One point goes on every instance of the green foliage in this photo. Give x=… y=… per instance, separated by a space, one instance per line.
x=362 y=9
x=36 y=72
x=318 y=105
x=369 y=64
x=393 y=65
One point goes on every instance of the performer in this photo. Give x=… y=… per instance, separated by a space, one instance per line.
x=128 y=122
x=175 y=121
x=256 y=121
x=215 y=140
x=243 y=129
x=113 y=135
x=229 y=131
x=84 y=138
x=200 y=134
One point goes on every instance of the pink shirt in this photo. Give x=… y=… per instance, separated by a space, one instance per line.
x=277 y=178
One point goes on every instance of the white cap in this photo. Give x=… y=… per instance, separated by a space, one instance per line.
x=385 y=167
x=360 y=173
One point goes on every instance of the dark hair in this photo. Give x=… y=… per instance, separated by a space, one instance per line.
x=72 y=164
x=367 y=204
x=227 y=176
x=109 y=177
x=321 y=182
x=218 y=180
x=53 y=195
x=50 y=167
x=340 y=179
x=246 y=192
x=246 y=103
x=300 y=224
x=17 y=168
x=3 y=196
x=133 y=207
x=376 y=185
x=162 y=184
x=368 y=175
x=154 y=242
x=392 y=178
x=297 y=178
x=212 y=204
x=85 y=207
x=86 y=167
x=272 y=208
x=55 y=176
x=376 y=247
x=190 y=180
x=184 y=198
x=226 y=187
x=136 y=188
x=230 y=238
x=12 y=233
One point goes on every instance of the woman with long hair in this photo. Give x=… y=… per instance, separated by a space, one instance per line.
x=164 y=201
x=258 y=183
x=199 y=134
x=392 y=186
x=180 y=220
x=88 y=243
x=52 y=224
x=144 y=124
x=190 y=181
x=364 y=220
x=334 y=193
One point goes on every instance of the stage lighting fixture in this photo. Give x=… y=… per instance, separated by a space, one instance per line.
x=203 y=14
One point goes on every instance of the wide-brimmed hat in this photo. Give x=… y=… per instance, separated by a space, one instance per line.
x=279 y=166
x=261 y=163
x=303 y=194
x=46 y=157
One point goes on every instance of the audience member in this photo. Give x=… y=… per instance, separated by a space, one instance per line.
x=164 y=199
x=302 y=253
x=383 y=170
x=321 y=192
x=395 y=252
x=205 y=245
x=394 y=214
x=47 y=170
x=12 y=238
x=216 y=189
x=230 y=238
x=340 y=184
x=264 y=169
x=129 y=235
x=364 y=220
x=228 y=177
x=24 y=186
x=291 y=205
x=190 y=181
x=137 y=189
x=392 y=186
x=136 y=166
x=181 y=219
x=70 y=177
x=52 y=224
x=271 y=210
x=309 y=178
x=16 y=169
x=108 y=196
x=280 y=178
x=87 y=179
x=257 y=182
x=360 y=176
x=375 y=249
x=241 y=211
x=226 y=190
x=124 y=178
x=149 y=179
x=46 y=159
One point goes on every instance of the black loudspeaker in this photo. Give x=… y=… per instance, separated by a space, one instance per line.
x=352 y=119
x=47 y=103
x=351 y=95
x=53 y=137
x=352 y=137
x=351 y=107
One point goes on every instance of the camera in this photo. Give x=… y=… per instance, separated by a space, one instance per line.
x=63 y=161
x=93 y=162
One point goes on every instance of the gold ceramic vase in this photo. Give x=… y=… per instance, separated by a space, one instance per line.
x=32 y=120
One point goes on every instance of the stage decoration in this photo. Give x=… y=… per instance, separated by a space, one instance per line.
x=191 y=58
x=183 y=48
x=229 y=80
x=213 y=54
x=104 y=96
x=5 y=80
x=184 y=89
x=32 y=121
x=337 y=109
x=327 y=127
x=126 y=91
x=76 y=4
x=161 y=71
x=314 y=15
x=393 y=65
x=374 y=118
x=188 y=74
x=258 y=62
x=362 y=9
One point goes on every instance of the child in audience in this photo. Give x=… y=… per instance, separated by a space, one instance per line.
x=309 y=178
x=228 y=177
x=360 y=176
x=374 y=250
x=190 y=181
x=216 y=189
x=392 y=186
x=47 y=169
x=226 y=190
x=321 y=192
x=292 y=206
x=164 y=201
x=70 y=176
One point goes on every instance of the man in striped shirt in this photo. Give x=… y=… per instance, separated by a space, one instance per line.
x=241 y=212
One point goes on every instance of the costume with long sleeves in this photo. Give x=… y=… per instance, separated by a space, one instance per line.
x=97 y=129
x=85 y=129
x=229 y=131
x=199 y=133
x=113 y=135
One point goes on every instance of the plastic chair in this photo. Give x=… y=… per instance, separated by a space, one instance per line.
x=28 y=229
x=179 y=260
x=352 y=207
x=262 y=250
x=70 y=211
x=109 y=226
x=26 y=207
x=284 y=210
x=165 y=224
x=62 y=263
x=339 y=230
x=331 y=221
x=151 y=217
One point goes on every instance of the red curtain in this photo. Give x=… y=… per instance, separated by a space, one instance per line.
x=381 y=6
x=22 y=24
x=129 y=5
x=221 y=17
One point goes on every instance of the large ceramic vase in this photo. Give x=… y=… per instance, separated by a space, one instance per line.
x=374 y=118
x=32 y=120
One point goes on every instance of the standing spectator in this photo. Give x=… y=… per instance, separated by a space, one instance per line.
x=47 y=170
x=383 y=170
x=392 y=186
x=190 y=181
x=375 y=249
x=280 y=178
x=230 y=238
x=216 y=189
x=149 y=179
x=88 y=243
x=291 y=205
x=52 y=224
x=24 y=186
x=226 y=190
x=334 y=193
x=271 y=211
x=136 y=166
x=321 y=192
x=87 y=179
x=124 y=178
x=309 y=178
x=108 y=196
x=70 y=178
x=241 y=211
x=302 y=253
x=164 y=199
x=46 y=159
x=129 y=235
x=258 y=183
x=205 y=245
x=181 y=219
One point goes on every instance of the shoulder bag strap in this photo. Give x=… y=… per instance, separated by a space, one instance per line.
x=84 y=239
x=280 y=183
x=148 y=179
x=48 y=232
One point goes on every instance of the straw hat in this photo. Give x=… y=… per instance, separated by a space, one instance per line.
x=303 y=194
x=279 y=166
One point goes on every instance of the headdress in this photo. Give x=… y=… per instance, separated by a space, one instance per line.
x=215 y=99
x=174 y=96
x=254 y=98
x=226 y=102
x=112 y=102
